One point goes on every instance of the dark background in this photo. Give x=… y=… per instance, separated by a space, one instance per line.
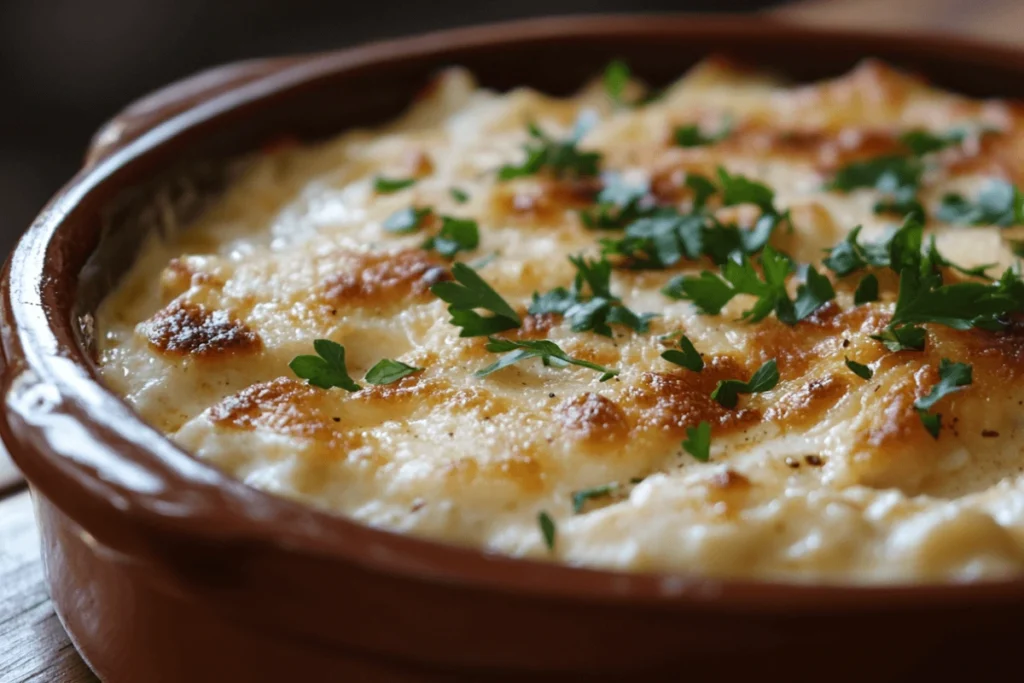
x=68 y=65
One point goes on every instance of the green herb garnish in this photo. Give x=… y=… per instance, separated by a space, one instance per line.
x=560 y=157
x=618 y=204
x=547 y=530
x=580 y=498
x=999 y=203
x=698 y=441
x=710 y=292
x=593 y=312
x=469 y=292
x=867 y=290
x=686 y=356
x=902 y=338
x=548 y=351
x=922 y=142
x=952 y=378
x=406 y=220
x=728 y=390
x=460 y=196
x=862 y=371
x=387 y=371
x=384 y=185
x=691 y=135
x=326 y=369
x=616 y=78
x=456 y=234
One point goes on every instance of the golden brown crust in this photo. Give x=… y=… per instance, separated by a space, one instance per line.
x=189 y=329
x=376 y=279
x=592 y=417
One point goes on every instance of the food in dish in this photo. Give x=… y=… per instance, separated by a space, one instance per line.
x=737 y=327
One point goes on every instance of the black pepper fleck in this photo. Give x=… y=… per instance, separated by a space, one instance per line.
x=989 y=433
x=813 y=460
x=792 y=462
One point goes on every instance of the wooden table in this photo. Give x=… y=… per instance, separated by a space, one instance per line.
x=33 y=645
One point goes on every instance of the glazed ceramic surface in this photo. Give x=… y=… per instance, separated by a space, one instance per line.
x=163 y=569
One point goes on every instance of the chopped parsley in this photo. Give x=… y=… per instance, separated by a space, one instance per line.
x=384 y=185
x=547 y=530
x=999 y=203
x=407 y=220
x=326 y=369
x=560 y=157
x=922 y=142
x=728 y=390
x=867 y=290
x=616 y=78
x=618 y=204
x=387 y=371
x=663 y=236
x=580 y=498
x=594 y=312
x=698 y=441
x=456 y=234
x=862 y=371
x=470 y=292
x=710 y=292
x=902 y=338
x=952 y=378
x=548 y=351
x=460 y=196
x=692 y=136
x=686 y=356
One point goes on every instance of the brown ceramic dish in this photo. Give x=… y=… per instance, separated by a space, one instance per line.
x=162 y=569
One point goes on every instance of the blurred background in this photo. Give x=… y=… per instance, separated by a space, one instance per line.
x=68 y=65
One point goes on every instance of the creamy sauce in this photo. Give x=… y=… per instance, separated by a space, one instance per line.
x=827 y=477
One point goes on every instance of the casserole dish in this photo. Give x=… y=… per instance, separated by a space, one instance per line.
x=163 y=569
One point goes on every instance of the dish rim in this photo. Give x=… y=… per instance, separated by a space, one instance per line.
x=119 y=466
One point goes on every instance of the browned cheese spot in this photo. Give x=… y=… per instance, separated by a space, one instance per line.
x=672 y=402
x=806 y=405
x=283 y=406
x=190 y=329
x=546 y=202
x=372 y=279
x=591 y=417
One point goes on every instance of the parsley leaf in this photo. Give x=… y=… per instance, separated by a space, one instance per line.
x=580 y=498
x=593 y=313
x=406 y=220
x=738 y=189
x=952 y=378
x=326 y=369
x=867 y=290
x=862 y=371
x=884 y=173
x=384 y=185
x=710 y=292
x=460 y=196
x=687 y=358
x=698 y=441
x=902 y=338
x=691 y=135
x=548 y=351
x=456 y=234
x=616 y=78
x=387 y=371
x=728 y=390
x=468 y=292
x=618 y=204
x=922 y=142
x=999 y=203
x=561 y=157
x=547 y=530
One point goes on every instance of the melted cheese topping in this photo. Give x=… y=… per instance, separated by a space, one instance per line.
x=827 y=477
